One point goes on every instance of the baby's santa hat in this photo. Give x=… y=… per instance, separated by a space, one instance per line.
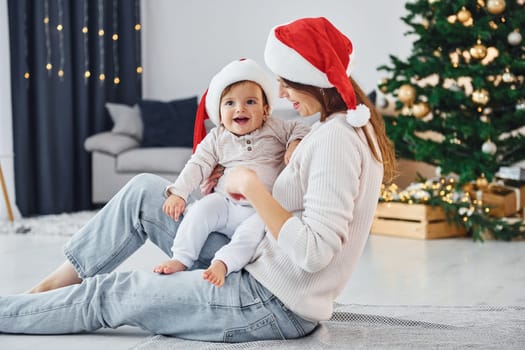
x=239 y=70
x=312 y=51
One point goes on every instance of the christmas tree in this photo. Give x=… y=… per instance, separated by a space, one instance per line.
x=460 y=98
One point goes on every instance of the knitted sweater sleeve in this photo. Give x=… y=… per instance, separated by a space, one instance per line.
x=289 y=130
x=330 y=167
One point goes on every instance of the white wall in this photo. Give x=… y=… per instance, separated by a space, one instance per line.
x=186 y=42
x=6 y=130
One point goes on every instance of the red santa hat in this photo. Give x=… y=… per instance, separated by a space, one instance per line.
x=239 y=70
x=312 y=51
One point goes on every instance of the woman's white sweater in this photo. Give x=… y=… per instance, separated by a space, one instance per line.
x=331 y=186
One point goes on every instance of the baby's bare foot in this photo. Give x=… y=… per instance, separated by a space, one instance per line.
x=169 y=266
x=216 y=273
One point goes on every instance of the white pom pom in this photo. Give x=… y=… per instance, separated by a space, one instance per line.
x=359 y=116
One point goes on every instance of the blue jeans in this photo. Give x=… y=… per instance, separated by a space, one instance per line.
x=181 y=304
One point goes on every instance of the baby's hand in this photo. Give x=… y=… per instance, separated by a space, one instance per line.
x=174 y=206
x=289 y=151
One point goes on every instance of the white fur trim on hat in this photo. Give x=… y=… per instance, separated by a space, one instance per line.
x=289 y=64
x=239 y=70
x=312 y=51
x=359 y=116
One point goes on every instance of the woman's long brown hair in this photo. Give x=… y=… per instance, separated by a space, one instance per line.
x=332 y=102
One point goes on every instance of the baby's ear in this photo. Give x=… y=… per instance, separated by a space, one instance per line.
x=267 y=112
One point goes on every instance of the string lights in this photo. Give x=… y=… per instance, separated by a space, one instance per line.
x=60 y=29
x=55 y=62
x=465 y=207
x=49 y=66
x=27 y=74
x=85 y=32
x=101 y=52
x=114 y=38
x=138 y=27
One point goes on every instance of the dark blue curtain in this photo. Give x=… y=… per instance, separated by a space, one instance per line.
x=68 y=57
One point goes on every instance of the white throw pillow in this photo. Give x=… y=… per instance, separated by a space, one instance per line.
x=127 y=120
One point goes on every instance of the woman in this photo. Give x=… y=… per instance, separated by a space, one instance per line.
x=318 y=219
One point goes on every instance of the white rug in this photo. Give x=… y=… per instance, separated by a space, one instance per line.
x=390 y=327
x=61 y=225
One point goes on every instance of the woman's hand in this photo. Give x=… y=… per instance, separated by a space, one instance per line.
x=174 y=206
x=209 y=184
x=243 y=183
x=289 y=151
x=238 y=179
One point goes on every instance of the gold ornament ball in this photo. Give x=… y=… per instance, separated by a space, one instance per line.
x=478 y=51
x=464 y=15
x=420 y=109
x=496 y=7
x=406 y=94
x=480 y=96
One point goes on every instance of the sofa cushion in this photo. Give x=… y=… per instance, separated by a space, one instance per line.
x=168 y=124
x=152 y=159
x=110 y=143
x=126 y=119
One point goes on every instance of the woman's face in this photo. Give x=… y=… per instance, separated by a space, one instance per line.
x=305 y=104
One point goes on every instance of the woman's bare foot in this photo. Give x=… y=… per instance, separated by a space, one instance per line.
x=169 y=266
x=65 y=275
x=216 y=273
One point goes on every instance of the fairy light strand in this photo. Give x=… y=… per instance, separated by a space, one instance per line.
x=100 y=33
x=85 y=36
x=49 y=66
x=27 y=73
x=115 y=38
x=60 y=29
x=137 y=28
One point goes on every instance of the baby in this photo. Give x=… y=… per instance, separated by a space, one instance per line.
x=238 y=101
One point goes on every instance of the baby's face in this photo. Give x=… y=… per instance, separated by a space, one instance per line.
x=243 y=109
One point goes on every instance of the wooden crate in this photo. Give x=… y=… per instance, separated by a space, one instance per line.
x=413 y=221
x=504 y=201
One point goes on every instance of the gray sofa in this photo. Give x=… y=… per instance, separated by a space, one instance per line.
x=116 y=158
x=118 y=155
x=151 y=136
